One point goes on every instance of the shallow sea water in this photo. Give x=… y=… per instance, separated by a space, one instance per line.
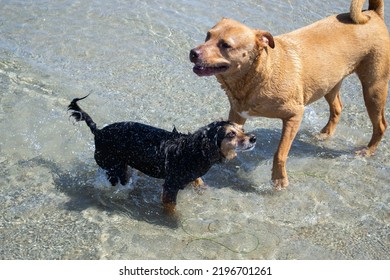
x=132 y=56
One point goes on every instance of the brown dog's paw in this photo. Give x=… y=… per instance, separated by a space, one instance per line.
x=280 y=184
x=199 y=186
x=364 y=152
x=322 y=136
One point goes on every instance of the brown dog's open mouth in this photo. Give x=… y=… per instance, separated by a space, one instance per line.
x=202 y=70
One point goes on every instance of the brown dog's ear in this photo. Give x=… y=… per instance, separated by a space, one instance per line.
x=265 y=38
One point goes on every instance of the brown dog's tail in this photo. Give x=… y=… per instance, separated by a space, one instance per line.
x=356 y=10
x=80 y=115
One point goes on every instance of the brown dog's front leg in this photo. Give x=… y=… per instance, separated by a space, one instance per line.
x=235 y=117
x=279 y=173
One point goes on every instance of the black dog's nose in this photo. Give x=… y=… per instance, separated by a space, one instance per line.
x=252 y=139
x=194 y=55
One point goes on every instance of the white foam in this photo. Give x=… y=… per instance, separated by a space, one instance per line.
x=102 y=183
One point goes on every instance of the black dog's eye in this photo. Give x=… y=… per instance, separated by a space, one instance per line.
x=231 y=134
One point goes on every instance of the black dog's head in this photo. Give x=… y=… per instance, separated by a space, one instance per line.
x=230 y=138
x=190 y=156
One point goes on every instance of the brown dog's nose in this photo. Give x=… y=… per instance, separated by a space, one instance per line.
x=194 y=55
x=252 y=138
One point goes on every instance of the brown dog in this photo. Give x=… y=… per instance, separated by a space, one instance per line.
x=276 y=77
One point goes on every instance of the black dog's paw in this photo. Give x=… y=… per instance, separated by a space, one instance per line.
x=199 y=186
x=114 y=180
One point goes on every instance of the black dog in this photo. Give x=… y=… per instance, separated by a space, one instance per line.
x=177 y=158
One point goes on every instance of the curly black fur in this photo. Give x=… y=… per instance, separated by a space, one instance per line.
x=178 y=158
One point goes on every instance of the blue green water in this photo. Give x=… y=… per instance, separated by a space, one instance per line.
x=133 y=57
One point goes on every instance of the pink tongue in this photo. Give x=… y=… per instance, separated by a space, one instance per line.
x=203 y=71
x=207 y=71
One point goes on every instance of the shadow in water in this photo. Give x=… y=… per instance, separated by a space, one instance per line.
x=227 y=173
x=143 y=201
x=268 y=141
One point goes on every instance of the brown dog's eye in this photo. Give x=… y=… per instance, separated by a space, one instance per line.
x=224 y=45
x=231 y=134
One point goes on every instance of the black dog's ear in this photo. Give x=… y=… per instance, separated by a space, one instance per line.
x=219 y=136
x=216 y=133
x=174 y=130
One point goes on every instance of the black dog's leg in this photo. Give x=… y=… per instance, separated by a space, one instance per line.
x=125 y=175
x=118 y=173
x=112 y=176
x=169 y=196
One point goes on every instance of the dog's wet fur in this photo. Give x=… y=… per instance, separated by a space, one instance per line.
x=276 y=77
x=177 y=158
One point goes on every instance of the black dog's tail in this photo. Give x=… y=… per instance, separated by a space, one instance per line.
x=80 y=115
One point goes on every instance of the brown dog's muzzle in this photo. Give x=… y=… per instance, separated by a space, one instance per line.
x=204 y=68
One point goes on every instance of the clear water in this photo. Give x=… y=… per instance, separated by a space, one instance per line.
x=133 y=57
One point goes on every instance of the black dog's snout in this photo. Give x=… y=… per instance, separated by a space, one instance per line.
x=252 y=138
x=194 y=55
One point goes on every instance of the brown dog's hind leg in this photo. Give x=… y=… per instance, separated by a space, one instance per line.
x=375 y=94
x=335 y=108
x=290 y=129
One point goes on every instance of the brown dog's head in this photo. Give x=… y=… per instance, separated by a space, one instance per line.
x=229 y=47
